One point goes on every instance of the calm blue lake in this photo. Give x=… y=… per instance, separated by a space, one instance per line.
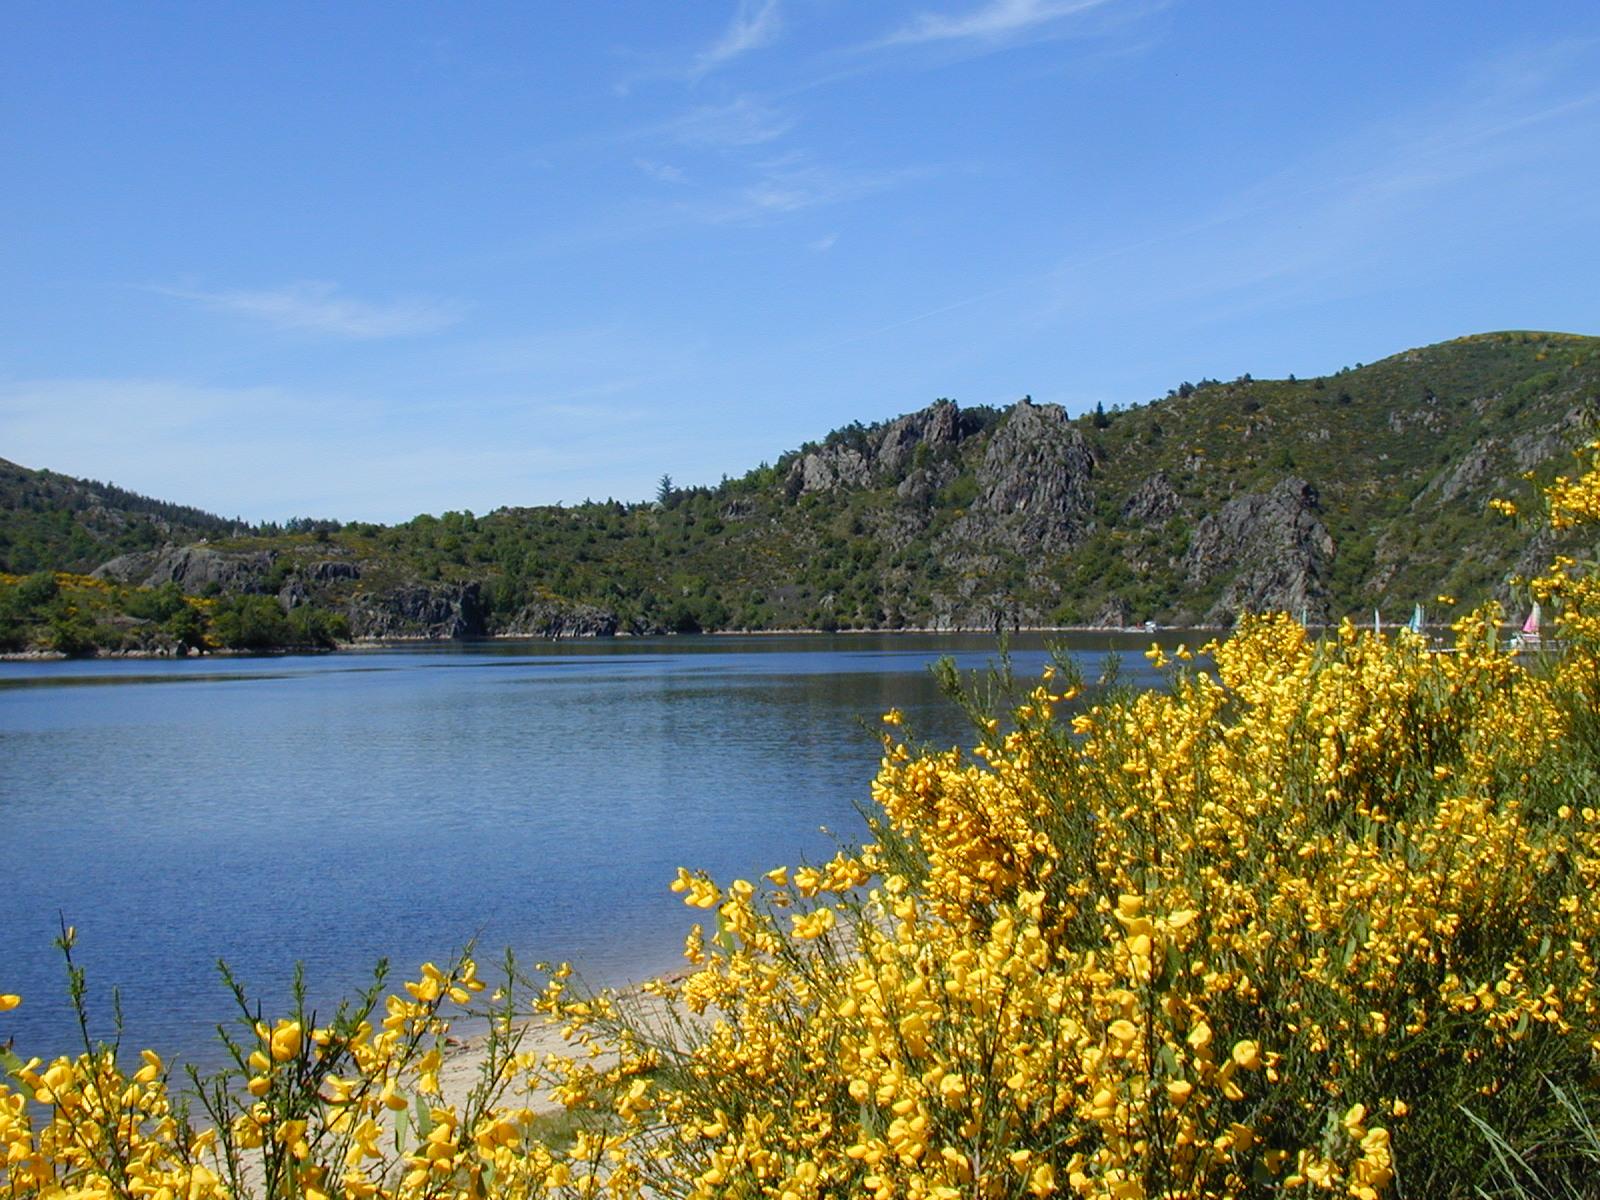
x=396 y=803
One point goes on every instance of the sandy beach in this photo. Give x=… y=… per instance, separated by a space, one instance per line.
x=464 y=1057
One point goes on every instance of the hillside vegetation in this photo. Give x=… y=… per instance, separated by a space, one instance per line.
x=1325 y=497
x=53 y=522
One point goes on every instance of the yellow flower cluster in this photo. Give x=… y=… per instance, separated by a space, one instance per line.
x=1267 y=930
x=1573 y=583
x=351 y=1109
x=1188 y=949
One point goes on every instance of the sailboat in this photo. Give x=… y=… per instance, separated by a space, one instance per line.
x=1416 y=622
x=1377 y=624
x=1530 y=638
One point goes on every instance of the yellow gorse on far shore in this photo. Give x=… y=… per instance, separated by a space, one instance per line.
x=1270 y=930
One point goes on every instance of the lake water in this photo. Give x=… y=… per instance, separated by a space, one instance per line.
x=395 y=803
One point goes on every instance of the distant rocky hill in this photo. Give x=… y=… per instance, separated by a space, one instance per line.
x=57 y=522
x=1327 y=496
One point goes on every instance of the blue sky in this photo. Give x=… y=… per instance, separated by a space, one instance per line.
x=370 y=260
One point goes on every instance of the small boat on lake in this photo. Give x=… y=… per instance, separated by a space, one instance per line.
x=1417 y=621
x=1531 y=638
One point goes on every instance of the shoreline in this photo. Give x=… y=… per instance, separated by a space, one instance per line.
x=370 y=644
x=464 y=1056
x=367 y=645
x=153 y=655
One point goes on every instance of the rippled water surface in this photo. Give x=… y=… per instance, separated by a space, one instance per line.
x=333 y=810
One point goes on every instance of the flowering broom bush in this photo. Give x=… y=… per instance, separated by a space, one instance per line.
x=1304 y=922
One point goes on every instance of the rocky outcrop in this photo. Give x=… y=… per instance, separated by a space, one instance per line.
x=1271 y=548
x=554 y=618
x=1113 y=614
x=829 y=468
x=1538 y=446
x=1152 y=502
x=1473 y=472
x=418 y=611
x=293 y=594
x=879 y=455
x=195 y=569
x=331 y=571
x=1034 y=485
x=313 y=581
x=201 y=570
x=918 y=488
x=936 y=426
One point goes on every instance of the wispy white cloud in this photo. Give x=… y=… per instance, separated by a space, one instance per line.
x=744 y=193
x=756 y=23
x=100 y=413
x=792 y=184
x=824 y=243
x=739 y=123
x=1414 y=186
x=317 y=307
x=1421 y=172
x=998 y=20
x=1359 y=214
x=659 y=171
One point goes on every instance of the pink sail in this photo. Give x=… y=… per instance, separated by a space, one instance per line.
x=1531 y=625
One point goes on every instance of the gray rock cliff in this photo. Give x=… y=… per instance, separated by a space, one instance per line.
x=418 y=611
x=877 y=457
x=936 y=426
x=1035 y=492
x=829 y=468
x=1272 y=549
x=1152 y=502
x=193 y=568
x=559 y=619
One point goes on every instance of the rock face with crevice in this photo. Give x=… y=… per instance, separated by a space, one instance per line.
x=1153 y=502
x=886 y=454
x=1035 y=485
x=936 y=427
x=1032 y=503
x=195 y=569
x=1270 y=551
x=418 y=611
x=829 y=469
x=554 y=618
